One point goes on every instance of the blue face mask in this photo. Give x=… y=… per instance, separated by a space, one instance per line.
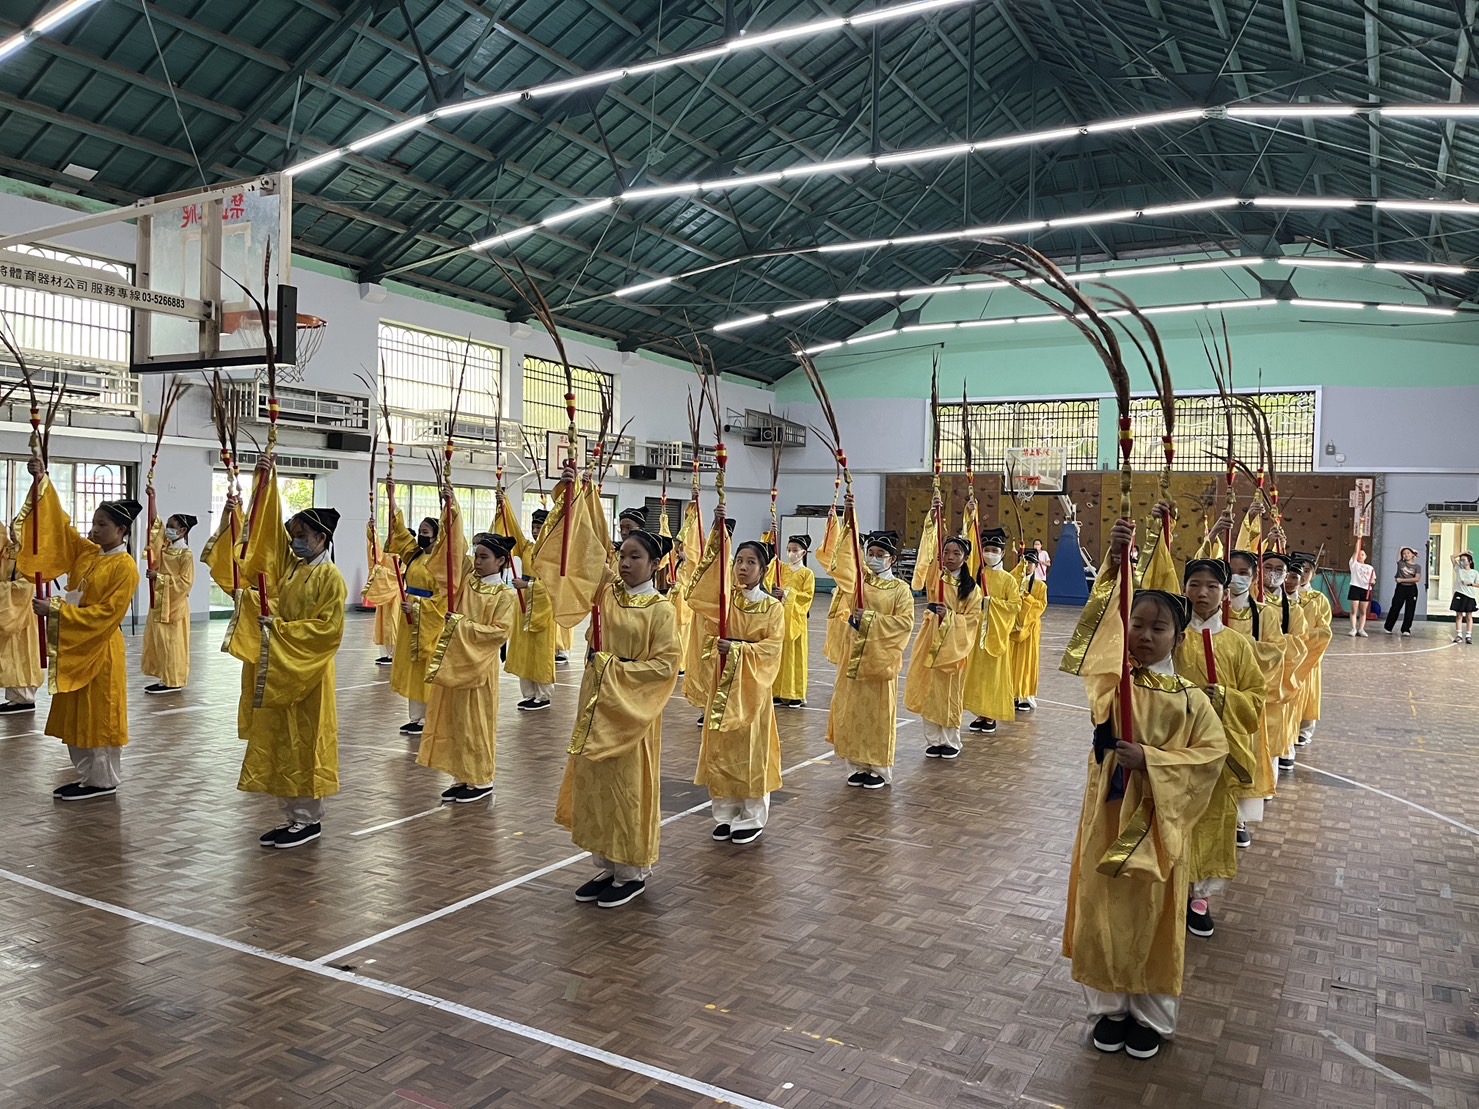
x=303 y=548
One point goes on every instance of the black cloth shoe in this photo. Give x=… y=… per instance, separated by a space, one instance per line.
x=948 y=752
x=1023 y=706
x=856 y=779
x=795 y=704
x=721 y=833
x=777 y=701
x=1198 y=924
x=873 y=781
x=296 y=835
x=384 y=660
x=933 y=751
x=76 y=791
x=535 y=706
x=1141 y=1042
x=562 y=659
x=450 y=793
x=614 y=896
x=745 y=835
x=18 y=706
x=160 y=687
x=269 y=837
x=700 y=722
x=987 y=727
x=1245 y=838
x=595 y=887
x=1110 y=1032
x=1303 y=740
x=523 y=706
x=1286 y=764
x=412 y=728
x=467 y=794
x=978 y=724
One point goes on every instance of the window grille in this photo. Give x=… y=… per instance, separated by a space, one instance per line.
x=1070 y=424
x=544 y=397
x=1201 y=433
x=73 y=330
x=420 y=370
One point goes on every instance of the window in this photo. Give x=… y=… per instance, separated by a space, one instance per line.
x=68 y=328
x=1070 y=424
x=295 y=493
x=674 y=513
x=1201 y=433
x=81 y=487
x=420 y=369
x=417 y=502
x=544 y=397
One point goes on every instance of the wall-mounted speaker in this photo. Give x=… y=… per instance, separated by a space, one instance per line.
x=351 y=441
x=642 y=473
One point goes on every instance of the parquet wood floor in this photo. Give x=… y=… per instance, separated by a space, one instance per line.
x=889 y=949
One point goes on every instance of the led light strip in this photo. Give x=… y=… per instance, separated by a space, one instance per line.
x=48 y=22
x=1088 y=275
x=1158 y=310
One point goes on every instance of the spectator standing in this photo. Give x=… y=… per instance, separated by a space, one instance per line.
x=1404 y=597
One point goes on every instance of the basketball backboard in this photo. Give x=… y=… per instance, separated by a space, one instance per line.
x=1030 y=470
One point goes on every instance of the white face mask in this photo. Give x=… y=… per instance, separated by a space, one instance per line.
x=172 y=534
x=877 y=564
x=991 y=558
x=795 y=559
x=1241 y=583
x=1274 y=579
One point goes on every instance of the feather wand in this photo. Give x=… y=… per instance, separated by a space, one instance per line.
x=395 y=559
x=445 y=477
x=38 y=450
x=814 y=377
x=225 y=418
x=968 y=450
x=775 y=492
x=169 y=392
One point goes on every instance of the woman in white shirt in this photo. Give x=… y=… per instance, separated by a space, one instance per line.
x=1465 y=596
x=1363 y=577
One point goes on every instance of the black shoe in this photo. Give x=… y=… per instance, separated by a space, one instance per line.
x=615 y=895
x=160 y=687
x=18 y=706
x=467 y=794
x=1110 y=1032
x=1286 y=764
x=721 y=833
x=933 y=750
x=978 y=724
x=777 y=702
x=700 y=722
x=269 y=837
x=534 y=706
x=1245 y=838
x=873 y=781
x=384 y=660
x=1198 y=924
x=1024 y=706
x=296 y=835
x=562 y=659
x=523 y=706
x=745 y=835
x=1141 y=1042
x=450 y=793
x=1303 y=740
x=76 y=791
x=412 y=728
x=856 y=779
x=988 y=727
x=949 y=752
x=795 y=704
x=595 y=887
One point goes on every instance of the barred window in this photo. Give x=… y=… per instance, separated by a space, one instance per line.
x=420 y=370
x=1201 y=432
x=69 y=329
x=1072 y=425
x=544 y=397
x=417 y=501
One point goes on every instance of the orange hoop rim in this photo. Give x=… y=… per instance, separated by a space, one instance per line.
x=232 y=321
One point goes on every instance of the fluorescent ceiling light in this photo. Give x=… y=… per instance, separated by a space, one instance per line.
x=576 y=213
x=1416 y=310
x=1131 y=122
x=768 y=38
x=1304 y=202
x=507 y=237
x=797 y=309
x=930 y=327
x=1333 y=305
x=1260 y=111
x=314 y=163
x=60 y=15
x=849 y=298
x=877 y=14
x=480 y=104
x=1223 y=305
x=389 y=132
x=1430 y=111
x=1094 y=217
x=743 y=321
x=869 y=338
x=12 y=44
x=1192 y=206
x=822 y=348
x=925 y=155
x=1454 y=207
x=633 y=290
x=1323 y=263
x=1420 y=267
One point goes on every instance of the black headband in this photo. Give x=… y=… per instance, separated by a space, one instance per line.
x=1214 y=566
x=803 y=541
x=888 y=540
x=762 y=550
x=652 y=544
x=960 y=541
x=499 y=544
x=1174 y=603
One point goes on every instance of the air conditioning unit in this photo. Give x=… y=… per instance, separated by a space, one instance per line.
x=302 y=406
x=679 y=456
x=302 y=463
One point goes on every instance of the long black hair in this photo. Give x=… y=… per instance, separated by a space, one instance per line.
x=965 y=580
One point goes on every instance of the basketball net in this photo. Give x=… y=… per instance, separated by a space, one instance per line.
x=248 y=325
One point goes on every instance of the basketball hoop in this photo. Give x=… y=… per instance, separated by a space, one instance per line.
x=1033 y=470
x=247 y=325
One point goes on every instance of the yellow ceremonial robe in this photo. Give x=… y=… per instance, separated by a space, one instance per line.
x=1272 y=648
x=990 y=688
x=1237 y=699
x=862 y=724
x=935 y=685
x=166 y=653
x=531 y=647
x=1125 y=926
x=1027 y=635
x=416 y=639
x=800 y=587
x=382 y=591
x=287 y=713
x=691 y=535
x=462 y=716
x=219 y=555
x=86 y=672
x=739 y=756
x=610 y=797
x=20 y=642
x=1317 y=634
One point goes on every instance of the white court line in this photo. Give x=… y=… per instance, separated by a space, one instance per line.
x=512 y=883
x=430 y=1001
x=1391 y=797
x=393 y=823
x=1366 y=1061
x=1373 y=654
x=182 y=708
x=362 y=685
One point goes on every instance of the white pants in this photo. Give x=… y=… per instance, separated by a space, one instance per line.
x=303 y=810
x=938 y=735
x=1250 y=810
x=620 y=871
x=418 y=710
x=884 y=772
x=752 y=812
x=533 y=691
x=21 y=695
x=98 y=766
x=1208 y=887
x=1307 y=728
x=1153 y=1010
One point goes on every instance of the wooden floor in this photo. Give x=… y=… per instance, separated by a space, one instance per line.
x=897 y=948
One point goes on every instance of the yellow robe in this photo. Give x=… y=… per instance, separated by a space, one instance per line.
x=739 y=756
x=1281 y=742
x=691 y=535
x=610 y=798
x=990 y=688
x=1238 y=699
x=166 y=653
x=219 y=555
x=1272 y=649
x=86 y=672
x=287 y=713
x=800 y=586
x=862 y=724
x=935 y=685
x=382 y=591
x=462 y=716
x=416 y=639
x=1317 y=634
x=1027 y=635
x=531 y=647
x=20 y=642
x=1125 y=926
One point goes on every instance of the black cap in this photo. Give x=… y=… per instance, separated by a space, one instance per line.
x=498 y=544
x=888 y=540
x=1030 y=555
x=1214 y=566
x=1278 y=556
x=637 y=516
x=729 y=526
x=803 y=541
x=323 y=520
x=1179 y=606
x=123 y=513
x=960 y=541
x=994 y=537
x=186 y=519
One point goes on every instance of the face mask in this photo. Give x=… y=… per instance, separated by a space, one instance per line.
x=992 y=558
x=424 y=542
x=303 y=548
x=1273 y=580
x=172 y=534
x=876 y=563
x=1241 y=583
x=794 y=559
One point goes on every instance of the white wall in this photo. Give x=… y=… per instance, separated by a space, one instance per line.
x=651 y=392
